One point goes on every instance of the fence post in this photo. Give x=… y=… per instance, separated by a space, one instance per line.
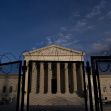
x=24 y=69
x=29 y=83
x=93 y=62
x=99 y=89
x=18 y=91
x=88 y=70
x=85 y=91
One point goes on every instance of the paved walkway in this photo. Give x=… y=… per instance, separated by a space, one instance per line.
x=107 y=107
x=56 y=108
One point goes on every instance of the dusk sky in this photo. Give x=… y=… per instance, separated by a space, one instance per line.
x=83 y=25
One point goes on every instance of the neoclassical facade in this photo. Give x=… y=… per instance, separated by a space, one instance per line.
x=56 y=76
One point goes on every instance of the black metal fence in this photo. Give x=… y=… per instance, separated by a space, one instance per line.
x=99 y=72
x=94 y=101
x=10 y=92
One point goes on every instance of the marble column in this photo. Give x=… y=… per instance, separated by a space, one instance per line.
x=34 y=77
x=74 y=77
x=66 y=79
x=26 y=84
x=58 y=78
x=81 y=74
x=41 y=77
x=49 y=78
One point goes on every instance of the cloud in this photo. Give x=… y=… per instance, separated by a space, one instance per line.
x=107 y=37
x=108 y=40
x=82 y=26
x=96 y=10
x=109 y=14
x=103 y=47
x=86 y=23
x=101 y=18
x=63 y=28
x=76 y=14
x=106 y=16
x=49 y=40
x=60 y=39
x=100 y=46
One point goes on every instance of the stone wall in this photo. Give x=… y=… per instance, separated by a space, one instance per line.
x=105 y=82
x=8 y=87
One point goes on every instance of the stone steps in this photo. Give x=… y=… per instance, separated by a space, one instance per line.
x=56 y=99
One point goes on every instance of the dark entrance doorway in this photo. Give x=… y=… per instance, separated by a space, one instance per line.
x=54 y=86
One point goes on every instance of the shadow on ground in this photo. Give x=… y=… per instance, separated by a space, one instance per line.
x=57 y=108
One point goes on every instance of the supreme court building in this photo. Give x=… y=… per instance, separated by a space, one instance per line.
x=54 y=76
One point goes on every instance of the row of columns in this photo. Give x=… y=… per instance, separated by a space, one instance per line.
x=34 y=80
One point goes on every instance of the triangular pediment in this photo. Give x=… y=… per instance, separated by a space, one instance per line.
x=54 y=50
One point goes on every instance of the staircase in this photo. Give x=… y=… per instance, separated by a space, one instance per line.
x=56 y=99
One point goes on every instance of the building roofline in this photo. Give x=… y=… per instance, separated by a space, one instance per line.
x=49 y=46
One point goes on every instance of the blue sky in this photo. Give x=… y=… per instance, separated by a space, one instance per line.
x=78 y=24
